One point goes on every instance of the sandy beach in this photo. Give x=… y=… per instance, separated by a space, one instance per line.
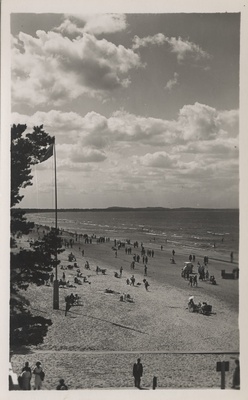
x=85 y=346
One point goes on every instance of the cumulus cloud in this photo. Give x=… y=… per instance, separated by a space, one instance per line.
x=198 y=127
x=229 y=120
x=142 y=153
x=88 y=155
x=145 y=130
x=182 y=48
x=67 y=27
x=76 y=153
x=221 y=147
x=52 y=69
x=172 y=82
x=67 y=165
x=198 y=122
x=160 y=159
x=158 y=39
x=95 y=24
x=200 y=145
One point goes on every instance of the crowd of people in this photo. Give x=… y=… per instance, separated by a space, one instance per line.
x=144 y=257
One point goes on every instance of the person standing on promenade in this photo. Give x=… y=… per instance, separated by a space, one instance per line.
x=26 y=377
x=137 y=373
x=39 y=376
x=236 y=376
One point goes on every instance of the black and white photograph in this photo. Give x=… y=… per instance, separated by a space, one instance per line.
x=124 y=199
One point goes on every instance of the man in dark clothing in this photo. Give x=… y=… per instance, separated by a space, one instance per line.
x=236 y=376
x=137 y=373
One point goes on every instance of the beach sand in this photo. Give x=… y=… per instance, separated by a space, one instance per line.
x=96 y=344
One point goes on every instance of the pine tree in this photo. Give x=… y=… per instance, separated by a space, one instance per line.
x=34 y=265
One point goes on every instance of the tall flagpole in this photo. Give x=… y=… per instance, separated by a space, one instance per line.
x=56 y=283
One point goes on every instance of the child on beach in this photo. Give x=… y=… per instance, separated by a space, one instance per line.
x=62 y=385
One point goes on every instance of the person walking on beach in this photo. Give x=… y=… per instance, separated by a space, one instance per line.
x=231 y=257
x=137 y=373
x=67 y=304
x=39 y=376
x=51 y=277
x=145 y=270
x=121 y=269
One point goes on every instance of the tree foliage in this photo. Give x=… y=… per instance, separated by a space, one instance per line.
x=26 y=150
x=25 y=329
x=30 y=266
x=36 y=264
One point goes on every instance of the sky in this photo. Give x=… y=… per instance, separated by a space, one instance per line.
x=144 y=107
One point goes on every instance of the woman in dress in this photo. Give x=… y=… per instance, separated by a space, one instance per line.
x=38 y=372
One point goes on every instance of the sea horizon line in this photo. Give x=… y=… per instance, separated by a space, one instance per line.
x=117 y=208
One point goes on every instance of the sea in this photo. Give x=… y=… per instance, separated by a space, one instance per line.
x=193 y=229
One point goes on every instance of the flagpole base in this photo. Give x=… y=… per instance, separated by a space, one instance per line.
x=56 y=295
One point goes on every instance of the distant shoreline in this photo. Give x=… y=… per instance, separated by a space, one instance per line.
x=113 y=209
